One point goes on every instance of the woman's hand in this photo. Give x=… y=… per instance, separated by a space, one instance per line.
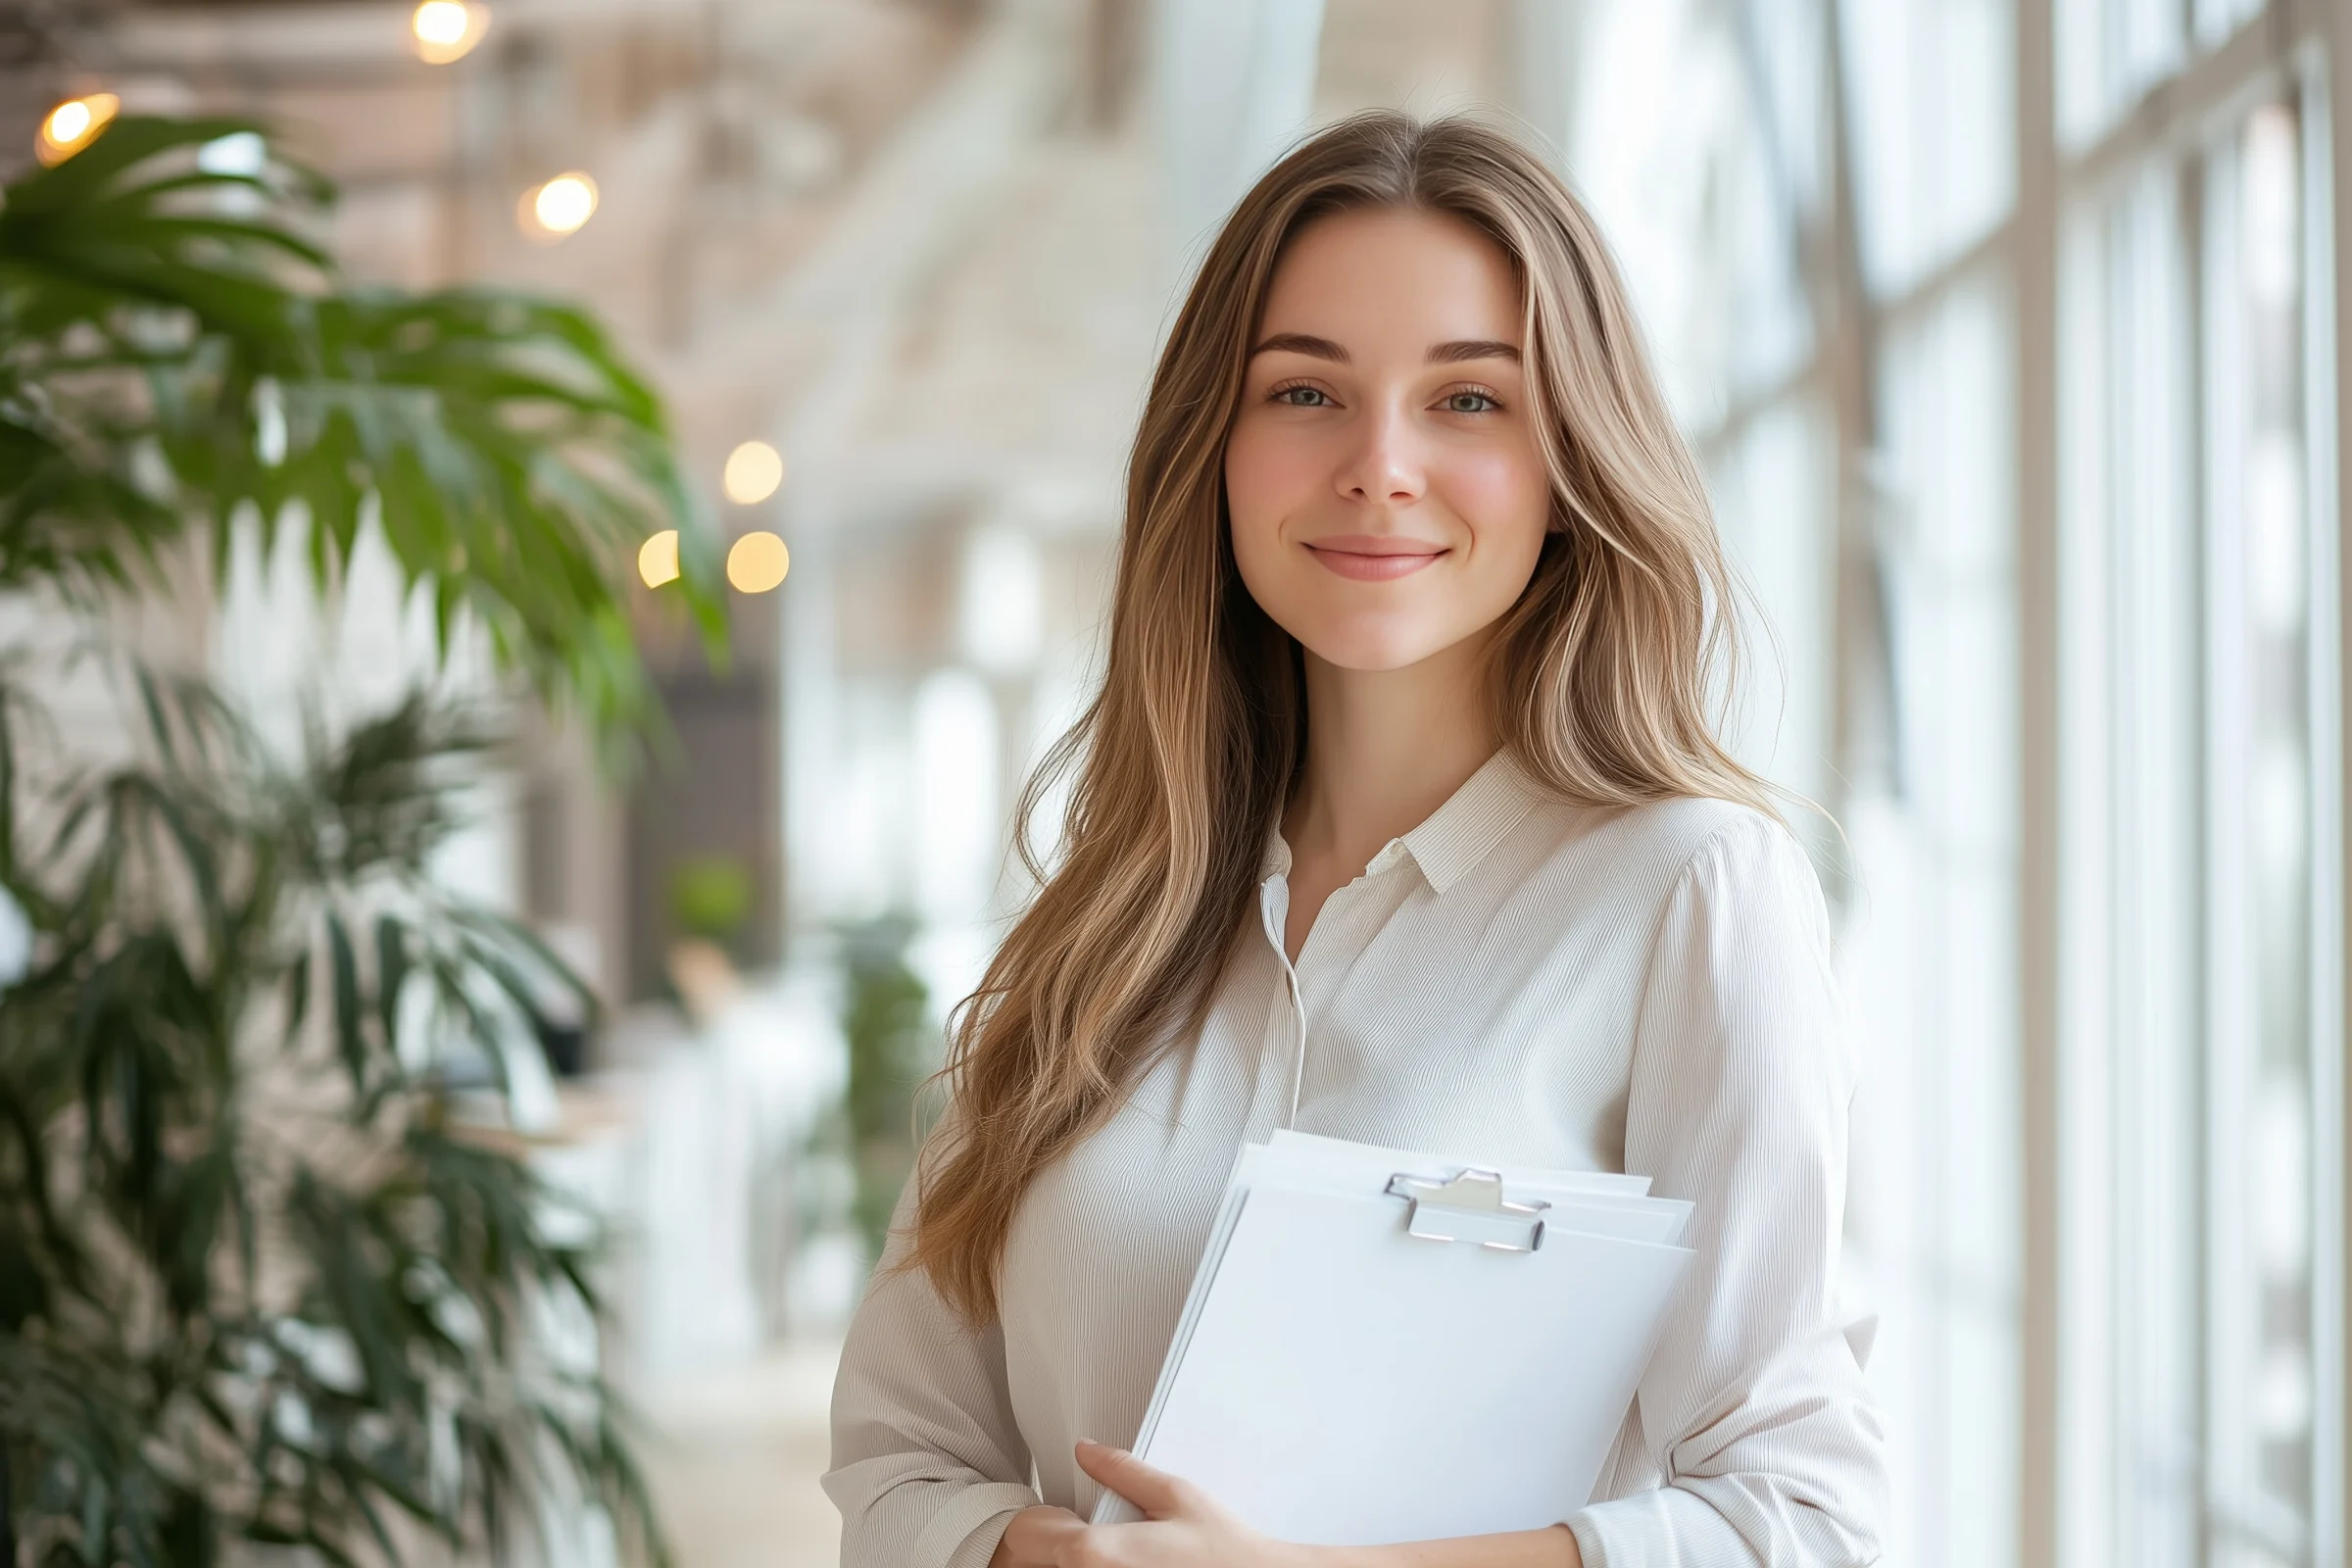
x=1181 y=1528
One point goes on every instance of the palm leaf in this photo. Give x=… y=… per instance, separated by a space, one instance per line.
x=513 y=458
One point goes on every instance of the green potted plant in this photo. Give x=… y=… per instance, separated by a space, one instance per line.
x=256 y=1284
x=710 y=899
x=894 y=1047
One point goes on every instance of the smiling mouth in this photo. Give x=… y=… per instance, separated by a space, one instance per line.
x=1371 y=560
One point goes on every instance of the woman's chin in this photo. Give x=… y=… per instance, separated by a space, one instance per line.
x=1379 y=650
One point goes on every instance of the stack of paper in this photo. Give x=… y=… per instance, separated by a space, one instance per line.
x=1337 y=1379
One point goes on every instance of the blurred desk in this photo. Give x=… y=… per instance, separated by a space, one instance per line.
x=706 y=1211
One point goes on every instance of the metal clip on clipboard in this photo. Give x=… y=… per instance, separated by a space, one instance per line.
x=1468 y=1208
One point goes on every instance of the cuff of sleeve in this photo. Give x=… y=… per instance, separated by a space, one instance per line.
x=965 y=1533
x=1664 y=1525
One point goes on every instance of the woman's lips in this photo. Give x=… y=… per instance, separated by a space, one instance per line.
x=1369 y=558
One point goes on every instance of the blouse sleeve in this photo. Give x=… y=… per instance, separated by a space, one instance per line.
x=1753 y=1409
x=928 y=1464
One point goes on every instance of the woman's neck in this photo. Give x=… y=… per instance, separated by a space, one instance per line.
x=1384 y=750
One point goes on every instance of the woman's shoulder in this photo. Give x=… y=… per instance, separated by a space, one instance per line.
x=1676 y=836
x=1631 y=863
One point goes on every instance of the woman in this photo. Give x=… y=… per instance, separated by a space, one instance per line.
x=1399 y=819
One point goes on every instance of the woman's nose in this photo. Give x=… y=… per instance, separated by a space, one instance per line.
x=1385 y=466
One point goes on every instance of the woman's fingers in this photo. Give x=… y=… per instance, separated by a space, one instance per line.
x=1156 y=1492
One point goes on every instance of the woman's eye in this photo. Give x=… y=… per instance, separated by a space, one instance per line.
x=1299 y=397
x=1469 y=403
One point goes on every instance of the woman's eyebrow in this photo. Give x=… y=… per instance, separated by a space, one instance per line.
x=1321 y=348
x=1475 y=348
x=1451 y=353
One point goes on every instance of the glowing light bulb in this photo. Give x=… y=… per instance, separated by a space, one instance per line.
x=658 y=559
x=72 y=124
x=447 y=29
x=754 y=470
x=559 y=207
x=758 y=563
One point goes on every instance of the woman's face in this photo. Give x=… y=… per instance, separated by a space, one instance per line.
x=1387 y=496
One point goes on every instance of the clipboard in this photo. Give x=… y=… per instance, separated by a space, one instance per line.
x=1447 y=1351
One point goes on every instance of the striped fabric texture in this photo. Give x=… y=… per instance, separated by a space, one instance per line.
x=1518 y=979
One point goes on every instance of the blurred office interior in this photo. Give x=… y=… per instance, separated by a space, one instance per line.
x=2008 y=331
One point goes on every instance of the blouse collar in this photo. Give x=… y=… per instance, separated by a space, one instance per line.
x=1458 y=835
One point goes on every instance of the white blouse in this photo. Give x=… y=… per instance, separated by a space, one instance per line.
x=1643 y=989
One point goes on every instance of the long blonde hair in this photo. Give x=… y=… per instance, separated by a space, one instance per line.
x=1600 y=674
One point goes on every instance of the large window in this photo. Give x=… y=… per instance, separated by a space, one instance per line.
x=2203 y=961
x=2005 y=326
